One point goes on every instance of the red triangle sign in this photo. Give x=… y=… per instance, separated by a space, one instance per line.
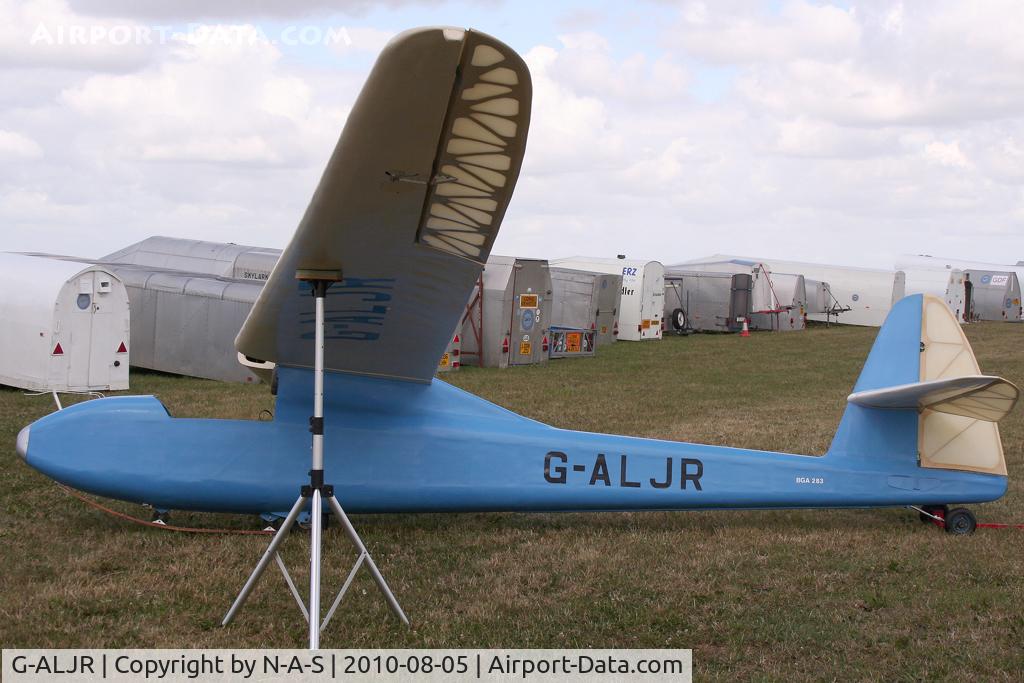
x=57 y=350
x=456 y=340
x=122 y=348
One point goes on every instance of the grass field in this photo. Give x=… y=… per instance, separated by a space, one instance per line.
x=821 y=595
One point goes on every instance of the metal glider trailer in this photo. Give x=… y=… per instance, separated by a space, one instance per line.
x=764 y=302
x=706 y=301
x=186 y=324
x=864 y=295
x=586 y=299
x=66 y=326
x=220 y=259
x=515 y=313
x=641 y=296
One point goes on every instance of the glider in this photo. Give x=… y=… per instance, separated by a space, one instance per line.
x=407 y=210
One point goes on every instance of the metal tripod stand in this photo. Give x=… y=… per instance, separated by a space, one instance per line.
x=315 y=493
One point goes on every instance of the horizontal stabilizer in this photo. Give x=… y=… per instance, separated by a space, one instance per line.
x=980 y=397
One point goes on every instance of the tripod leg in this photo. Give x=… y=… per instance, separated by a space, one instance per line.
x=377 y=576
x=278 y=539
x=314 y=571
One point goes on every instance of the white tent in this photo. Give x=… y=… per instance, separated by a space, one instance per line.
x=65 y=326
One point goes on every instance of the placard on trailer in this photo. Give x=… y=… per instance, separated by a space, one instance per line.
x=66 y=325
x=571 y=342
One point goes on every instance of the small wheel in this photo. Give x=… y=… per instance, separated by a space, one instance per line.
x=678 y=319
x=940 y=511
x=160 y=516
x=961 y=522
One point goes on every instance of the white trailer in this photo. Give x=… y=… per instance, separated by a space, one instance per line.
x=867 y=294
x=585 y=299
x=642 y=294
x=952 y=286
x=995 y=288
x=66 y=326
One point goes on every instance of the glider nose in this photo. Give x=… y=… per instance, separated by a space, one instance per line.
x=22 y=443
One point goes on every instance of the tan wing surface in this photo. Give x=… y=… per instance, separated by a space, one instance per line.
x=407 y=208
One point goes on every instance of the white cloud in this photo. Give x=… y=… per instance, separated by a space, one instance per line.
x=832 y=133
x=15 y=146
x=946 y=154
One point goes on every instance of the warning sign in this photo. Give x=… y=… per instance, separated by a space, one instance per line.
x=525 y=348
x=573 y=342
x=528 y=301
x=446 y=360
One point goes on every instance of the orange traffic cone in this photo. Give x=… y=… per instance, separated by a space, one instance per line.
x=746 y=330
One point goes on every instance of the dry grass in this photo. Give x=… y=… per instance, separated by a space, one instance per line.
x=870 y=595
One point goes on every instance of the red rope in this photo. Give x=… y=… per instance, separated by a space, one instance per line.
x=165 y=527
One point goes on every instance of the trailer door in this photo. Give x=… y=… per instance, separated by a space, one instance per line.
x=526 y=325
x=607 y=308
x=80 y=320
x=106 y=332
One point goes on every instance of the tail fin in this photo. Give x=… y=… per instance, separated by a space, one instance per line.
x=921 y=395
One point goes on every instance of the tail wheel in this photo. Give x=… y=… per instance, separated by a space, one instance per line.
x=678 y=319
x=961 y=522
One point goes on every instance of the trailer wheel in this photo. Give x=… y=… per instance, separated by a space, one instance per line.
x=961 y=522
x=678 y=319
x=937 y=510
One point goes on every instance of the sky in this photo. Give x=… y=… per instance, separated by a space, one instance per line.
x=839 y=132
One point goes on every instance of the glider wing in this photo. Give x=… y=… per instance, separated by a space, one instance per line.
x=407 y=209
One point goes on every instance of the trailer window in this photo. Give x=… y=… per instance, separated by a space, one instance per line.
x=83 y=301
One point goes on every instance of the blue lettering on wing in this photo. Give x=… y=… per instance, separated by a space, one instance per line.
x=355 y=309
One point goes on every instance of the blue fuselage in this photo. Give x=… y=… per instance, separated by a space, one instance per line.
x=401 y=447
